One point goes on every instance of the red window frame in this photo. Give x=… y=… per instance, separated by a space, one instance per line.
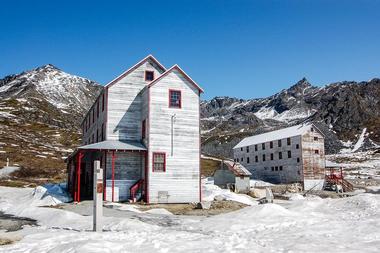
x=180 y=99
x=154 y=158
x=148 y=71
x=143 y=129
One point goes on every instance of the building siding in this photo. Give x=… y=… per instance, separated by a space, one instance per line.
x=180 y=182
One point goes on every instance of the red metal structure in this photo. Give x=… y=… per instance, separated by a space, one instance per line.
x=334 y=176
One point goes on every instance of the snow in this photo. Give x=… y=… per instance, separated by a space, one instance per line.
x=4 y=172
x=259 y=183
x=210 y=191
x=360 y=141
x=299 y=225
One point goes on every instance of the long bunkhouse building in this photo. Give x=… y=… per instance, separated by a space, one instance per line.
x=288 y=155
x=144 y=128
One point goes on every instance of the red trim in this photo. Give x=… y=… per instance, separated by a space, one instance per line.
x=150 y=71
x=180 y=99
x=200 y=150
x=113 y=174
x=79 y=161
x=135 y=67
x=182 y=72
x=158 y=153
x=148 y=151
x=105 y=176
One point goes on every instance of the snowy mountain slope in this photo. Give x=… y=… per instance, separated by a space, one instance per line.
x=342 y=109
x=40 y=112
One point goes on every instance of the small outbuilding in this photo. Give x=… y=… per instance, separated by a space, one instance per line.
x=234 y=176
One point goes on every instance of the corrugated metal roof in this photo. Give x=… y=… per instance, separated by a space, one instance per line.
x=237 y=168
x=275 y=135
x=115 y=145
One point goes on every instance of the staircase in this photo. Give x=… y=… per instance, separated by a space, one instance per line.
x=334 y=178
x=136 y=191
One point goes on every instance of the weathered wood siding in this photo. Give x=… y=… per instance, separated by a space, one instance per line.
x=313 y=164
x=180 y=182
x=94 y=121
x=128 y=170
x=125 y=104
x=291 y=168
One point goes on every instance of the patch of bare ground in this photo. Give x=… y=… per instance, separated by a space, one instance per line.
x=217 y=207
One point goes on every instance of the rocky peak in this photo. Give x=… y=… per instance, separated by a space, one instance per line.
x=300 y=86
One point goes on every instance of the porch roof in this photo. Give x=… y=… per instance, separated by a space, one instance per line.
x=115 y=145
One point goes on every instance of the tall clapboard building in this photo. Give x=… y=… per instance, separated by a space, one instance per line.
x=144 y=128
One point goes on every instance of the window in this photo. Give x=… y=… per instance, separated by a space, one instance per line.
x=256 y=147
x=315 y=138
x=159 y=162
x=247 y=159
x=289 y=154
x=280 y=167
x=174 y=98
x=97 y=135
x=316 y=151
x=103 y=102
x=241 y=149
x=102 y=132
x=297 y=146
x=247 y=149
x=241 y=159
x=312 y=129
x=97 y=109
x=256 y=159
x=288 y=141
x=276 y=168
x=263 y=146
x=271 y=156
x=263 y=157
x=272 y=168
x=271 y=144
x=298 y=159
x=93 y=115
x=149 y=75
x=279 y=143
x=143 y=129
x=280 y=155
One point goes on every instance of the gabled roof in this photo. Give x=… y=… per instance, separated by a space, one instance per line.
x=181 y=71
x=125 y=73
x=276 y=135
x=237 y=168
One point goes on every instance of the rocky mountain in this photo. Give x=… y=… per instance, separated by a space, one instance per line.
x=40 y=114
x=342 y=110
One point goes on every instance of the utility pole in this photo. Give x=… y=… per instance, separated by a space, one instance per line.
x=98 y=197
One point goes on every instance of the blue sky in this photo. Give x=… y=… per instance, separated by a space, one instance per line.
x=245 y=49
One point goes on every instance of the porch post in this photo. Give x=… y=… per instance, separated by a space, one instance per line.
x=113 y=174
x=146 y=197
x=79 y=160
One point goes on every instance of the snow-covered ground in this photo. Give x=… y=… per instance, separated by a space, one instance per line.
x=301 y=225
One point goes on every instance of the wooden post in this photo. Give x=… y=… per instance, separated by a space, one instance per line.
x=113 y=175
x=98 y=197
x=79 y=160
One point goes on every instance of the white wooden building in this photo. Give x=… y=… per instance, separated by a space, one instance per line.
x=233 y=175
x=293 y=154
x=144 y=128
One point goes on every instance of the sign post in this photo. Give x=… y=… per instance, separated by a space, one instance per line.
x=98 y=197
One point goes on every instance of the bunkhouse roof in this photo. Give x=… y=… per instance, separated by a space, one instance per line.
x=125 y=73
x=181 y=71
x=114 y=145
x=276 y=135
x=237 y=168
